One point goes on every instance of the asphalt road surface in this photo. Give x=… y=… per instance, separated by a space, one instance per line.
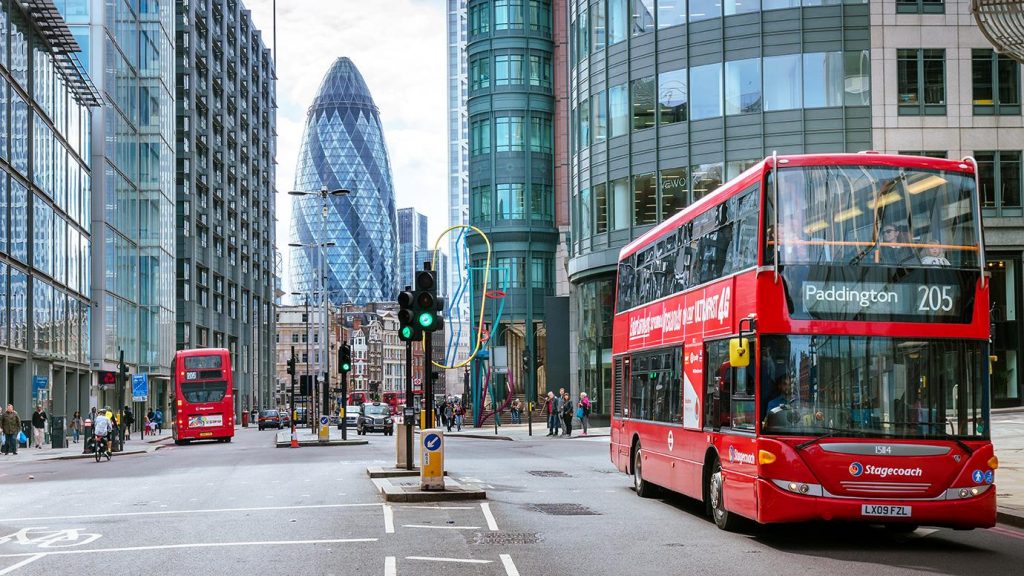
x=554 y=507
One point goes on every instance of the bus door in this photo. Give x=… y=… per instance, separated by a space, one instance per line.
x=729 y=391
x=620 y=411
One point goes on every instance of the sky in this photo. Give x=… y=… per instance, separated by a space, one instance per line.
x=400 y=47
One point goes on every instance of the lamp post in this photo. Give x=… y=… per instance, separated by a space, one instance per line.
x=324 y=194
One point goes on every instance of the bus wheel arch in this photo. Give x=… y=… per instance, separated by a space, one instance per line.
x=644 y=488
x=714 y=494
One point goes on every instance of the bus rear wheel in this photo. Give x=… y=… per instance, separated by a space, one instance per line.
x=644 y=489
x=716 y=500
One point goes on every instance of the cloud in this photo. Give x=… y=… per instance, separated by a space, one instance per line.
x=400 y=47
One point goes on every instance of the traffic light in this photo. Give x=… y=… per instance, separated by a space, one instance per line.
x=408 y=330
x=526 y=360
x=426 y=306
x=344 y=359
x=122 y=367
x=291 y=366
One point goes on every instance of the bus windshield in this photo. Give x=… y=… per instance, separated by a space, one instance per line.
x=872 y=387
x=873 y=215
x=200 y=392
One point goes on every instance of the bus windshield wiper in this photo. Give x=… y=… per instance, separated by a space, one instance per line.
x=830 y=432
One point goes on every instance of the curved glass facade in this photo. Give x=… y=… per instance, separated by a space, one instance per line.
x=343 y=147
x=669 y=99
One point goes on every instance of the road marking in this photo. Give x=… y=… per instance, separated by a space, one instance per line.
x=389 y=519
x=207 y=511
x=24 y=562
x=510 y=567
x=435 y=507
x=390 y=569
x=197 y=545
x=491 y=522
x=459 y=560
x=1008 y=532
x=441 y=527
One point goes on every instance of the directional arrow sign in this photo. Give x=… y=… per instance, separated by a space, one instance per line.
x=432 y=442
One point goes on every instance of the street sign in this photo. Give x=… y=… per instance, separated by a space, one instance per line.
x=325 y=420
x=140 y=387
x=499 y=357
x=39 y=383
x=432 y=460
x=108 y=379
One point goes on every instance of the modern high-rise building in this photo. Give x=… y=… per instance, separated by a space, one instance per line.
x=511 y=109
x=458 y=175
x=45 y=213
x=128 y=47
x=412 y=237
x=227 y=131
x=351 y=237
x=668 y=99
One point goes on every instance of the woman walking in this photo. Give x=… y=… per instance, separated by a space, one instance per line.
x=567 y=413
x=76 y=426
x=583 y=412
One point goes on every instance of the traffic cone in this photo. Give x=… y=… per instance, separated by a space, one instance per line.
x=295 y=438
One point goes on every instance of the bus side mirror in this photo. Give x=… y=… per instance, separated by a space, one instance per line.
x=739 y=352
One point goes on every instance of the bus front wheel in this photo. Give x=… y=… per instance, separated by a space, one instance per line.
x=644 y=489
x=716 y=500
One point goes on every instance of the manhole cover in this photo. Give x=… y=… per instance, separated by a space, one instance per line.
x=564 y=509
x=550 y=473
x=502 y=539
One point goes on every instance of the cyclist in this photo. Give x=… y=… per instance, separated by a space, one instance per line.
x=102 y=428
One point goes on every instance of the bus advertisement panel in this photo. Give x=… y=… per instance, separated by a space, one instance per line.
x=203 y=400
x=836 y=369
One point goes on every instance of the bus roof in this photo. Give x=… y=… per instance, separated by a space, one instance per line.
x=755 y=173
x=201 y=352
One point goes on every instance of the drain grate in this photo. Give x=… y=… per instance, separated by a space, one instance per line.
x=550 y=474
x=498 y=538
x=564 y=509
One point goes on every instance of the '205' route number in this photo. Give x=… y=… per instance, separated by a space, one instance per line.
x=935 y=299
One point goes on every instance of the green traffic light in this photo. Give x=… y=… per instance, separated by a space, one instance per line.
x=407 y=332
x=346 y=367
x=426 y=319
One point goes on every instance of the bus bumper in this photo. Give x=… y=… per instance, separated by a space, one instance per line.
x=777 y=505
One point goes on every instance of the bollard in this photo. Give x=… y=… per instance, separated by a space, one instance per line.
x=432 y=459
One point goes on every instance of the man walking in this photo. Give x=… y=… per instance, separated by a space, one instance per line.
x=38 y=427
x=10 y=423
x=159 y=418
x=127 y=421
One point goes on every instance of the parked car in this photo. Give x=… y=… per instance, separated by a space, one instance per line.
x=269 y=419
x=351 y=417
x=374 y=417
x=286 y=421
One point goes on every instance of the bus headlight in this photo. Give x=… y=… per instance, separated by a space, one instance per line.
x=802 y=488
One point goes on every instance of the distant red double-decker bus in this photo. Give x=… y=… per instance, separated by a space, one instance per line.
x=203 y=401
x=810 y=342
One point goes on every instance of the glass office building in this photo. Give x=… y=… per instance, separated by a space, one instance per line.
x=343 y=148
x=412 y=238
x=128 y=46
x=45 y=213
x=227 y=141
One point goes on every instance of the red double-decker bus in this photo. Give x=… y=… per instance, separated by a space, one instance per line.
x=836 y=369
x=203 y=400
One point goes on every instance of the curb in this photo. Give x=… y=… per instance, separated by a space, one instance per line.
x=480 y=436
x=1010 y=517
x=453 y=491
x=81 y=456
x=311 y=443
x=1010 y=410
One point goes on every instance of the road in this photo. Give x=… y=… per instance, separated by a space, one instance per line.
x=554 y=507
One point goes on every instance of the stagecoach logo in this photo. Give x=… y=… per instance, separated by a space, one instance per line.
x=857 y=469
x=740 y=457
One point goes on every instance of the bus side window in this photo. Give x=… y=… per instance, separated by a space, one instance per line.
x=742 y=397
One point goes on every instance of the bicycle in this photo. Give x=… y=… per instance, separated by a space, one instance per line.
x=100 y=448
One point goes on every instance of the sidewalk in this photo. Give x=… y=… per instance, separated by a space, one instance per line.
x=520 y=432
x=1008 y=441
x=136 y=445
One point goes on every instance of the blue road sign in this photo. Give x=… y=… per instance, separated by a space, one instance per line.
x=432 y=442
x=140 y=387
x=325 y=420
x=39 y=383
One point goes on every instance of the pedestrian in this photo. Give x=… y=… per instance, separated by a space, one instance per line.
x=128 y=419
x=38 y=427
x=76 y=426
x=567 y=413
x=583 y=412
x=517 y=408
x=449 y=415
x=151 y=415
x=148 y=428
x=559 y=404
x=459 y=413
x=10 y=423
x=159 y=417
x=549 y=409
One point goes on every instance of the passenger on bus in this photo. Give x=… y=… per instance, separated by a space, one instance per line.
x=892 y=247
x=932 y=255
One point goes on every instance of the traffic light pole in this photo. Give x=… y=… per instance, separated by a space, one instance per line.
x=292 y=419
x=408 y=410
x=344 y=395
x=428 y=380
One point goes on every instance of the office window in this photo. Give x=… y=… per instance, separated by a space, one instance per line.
x=921 y=81
x=743 y=86
x=705 y=9
x=645 y=199
x=510 y=201
x=539 y=15
x=920 y=7
x=540 y=135
x=672 y=96
x=706 y=102
x=857 y=77
x=480 y=137
x=479 y=19
x=782 y=82
x=643 y=102
x=622 y=207
x=480 y=204
x=673 y=191
x=508 y=69
x=996 y=84
x=582 y=35
x=618 y=21
x=925 y=153
x=584 y=126
x=642 y=16
x=741 y=6
x=705 y=178
x=508 y=134
x=540 y=71
x=779 y=4
x=585 y=214
x=600 y=208
x=598 y=30
x=541 y=198
x=823 y=79
x=599 y=107
x=618 y=110
x=671 y=13
x=508 y=14
x=480 y=73
x=999 y=179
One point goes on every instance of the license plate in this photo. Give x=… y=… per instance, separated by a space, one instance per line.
x=206 y=433
x=885 y=510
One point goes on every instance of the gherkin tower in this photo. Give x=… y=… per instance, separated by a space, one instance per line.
x=343 y=148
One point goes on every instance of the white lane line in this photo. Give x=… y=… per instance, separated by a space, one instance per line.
x=435 y=507
x=390 y=569
x=389 y=519
x=459 y=560
x=441 y=527
x=510 y=568
x=24 y=562
x=492 y=524
x=208 y=511
x=197 y=545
